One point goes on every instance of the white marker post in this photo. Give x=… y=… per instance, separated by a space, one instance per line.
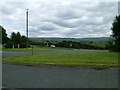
x=47 y=45
x=18 y=45
x=13 y=46
x=70 y=45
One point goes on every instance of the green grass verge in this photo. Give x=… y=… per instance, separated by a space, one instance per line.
x=25 y=49
x=0 y=45
x=108 y=59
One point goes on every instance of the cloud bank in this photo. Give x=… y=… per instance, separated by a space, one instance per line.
x=73 y=19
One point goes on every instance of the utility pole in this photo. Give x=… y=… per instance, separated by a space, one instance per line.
x=27 y=28
x=119 y=8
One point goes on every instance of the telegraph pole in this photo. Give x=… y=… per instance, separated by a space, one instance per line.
x=118 y=8
x=27 y=28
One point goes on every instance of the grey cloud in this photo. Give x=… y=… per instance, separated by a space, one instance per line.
x=48 y=27
x=71 y=19
x=68 y=14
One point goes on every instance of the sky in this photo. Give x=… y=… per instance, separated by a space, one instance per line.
x=65 y=19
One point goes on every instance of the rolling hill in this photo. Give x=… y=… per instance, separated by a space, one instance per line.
x=86 y=40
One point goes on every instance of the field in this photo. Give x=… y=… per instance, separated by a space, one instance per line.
x=99 y=44
x=108 y=59
x=0 y=45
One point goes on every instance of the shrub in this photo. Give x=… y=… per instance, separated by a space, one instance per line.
x=9 y=44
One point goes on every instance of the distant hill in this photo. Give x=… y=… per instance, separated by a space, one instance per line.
x=96 y=40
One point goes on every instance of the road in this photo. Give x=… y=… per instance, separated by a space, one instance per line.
x=15 y=76
x=15 y=53
x=57 y=77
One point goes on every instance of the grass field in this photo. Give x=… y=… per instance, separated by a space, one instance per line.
x=0 y=45
x=108 y=59
x=25 y=49
x=99 y=44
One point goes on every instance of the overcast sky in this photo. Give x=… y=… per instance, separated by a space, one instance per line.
x=67 y=19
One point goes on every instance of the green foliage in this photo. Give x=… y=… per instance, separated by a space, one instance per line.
x=23 y=45
x=3 y=35
x=16 y=39
x=110 y=44
x=116 y=32
x=77 y=45
x=9 y=44
x=69 y=44
x=23 y=38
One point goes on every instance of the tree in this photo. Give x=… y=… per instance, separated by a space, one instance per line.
x=109 y=45
x=90 y=42
x=3 y=35
x=16 y=37
x=9 y=44
x=116 y=32
x=23 y=42
x=23 y=38
x=13 y=37
x=19 y=38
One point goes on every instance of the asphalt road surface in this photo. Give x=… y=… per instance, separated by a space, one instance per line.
x=15 y=76
x=57 y=77
x=15 y=53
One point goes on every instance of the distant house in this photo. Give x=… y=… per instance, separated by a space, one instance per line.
x=53 y=46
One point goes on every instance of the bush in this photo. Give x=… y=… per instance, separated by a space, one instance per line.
x=77 y=45
x=9 y=44
x=23 y=45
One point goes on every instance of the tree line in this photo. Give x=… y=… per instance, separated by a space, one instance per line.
x=15 y=40
x=114 y=43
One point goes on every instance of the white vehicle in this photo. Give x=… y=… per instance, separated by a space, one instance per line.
x=53 y=46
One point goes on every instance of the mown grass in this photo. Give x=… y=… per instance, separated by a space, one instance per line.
x=108 y=59
x=0 y=45
x=25 y=49
x=99 y=44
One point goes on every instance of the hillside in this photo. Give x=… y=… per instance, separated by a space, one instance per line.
x=95 y=40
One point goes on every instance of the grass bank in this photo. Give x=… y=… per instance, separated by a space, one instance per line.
x=99 y=44
x=25 y=49
x=0 y=45
x=108 y=59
